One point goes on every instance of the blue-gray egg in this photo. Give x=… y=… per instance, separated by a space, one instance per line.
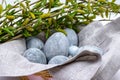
x=42 y=36
x=33 y=42
x=58 y=59
x=57 y=44
x=72 y=50
x=72 y=36
x=90 y=48
x=29 y=38
x=35 y=55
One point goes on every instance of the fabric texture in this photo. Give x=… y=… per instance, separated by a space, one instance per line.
x=13 y=64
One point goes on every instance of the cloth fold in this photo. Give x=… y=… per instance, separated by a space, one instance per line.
x=85 y=66
x=14 y=64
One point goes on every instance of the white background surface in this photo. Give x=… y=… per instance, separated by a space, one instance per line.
x=11 y=1
x=117 y=76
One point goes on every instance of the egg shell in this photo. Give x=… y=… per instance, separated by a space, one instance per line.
x=57 y=44
x=35 y=55
x=33 y=42
x=58 y=59
x=72 y=36
x=72 y=50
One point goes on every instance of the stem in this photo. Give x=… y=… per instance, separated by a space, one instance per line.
x=69 y=12
x=10 y=8
x=17 y=10
x=22 y=27
x=30 y=5
x=16 y=37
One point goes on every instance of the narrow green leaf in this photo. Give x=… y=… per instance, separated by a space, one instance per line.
x=61 y=30
x=89 y=7
x=22 y=5
x=26 y=33
x=113 y=1
x=101 y=0
x=67 y=1
x=73 y=14
x=37 y=5
x=39 y=21
x=44 y=2
x=28 y=4
x=106 y=13
x=8 y=31
x=70 y=18
x=8 y=6
x=102 y=15
x=1 y=8
x=47 y=33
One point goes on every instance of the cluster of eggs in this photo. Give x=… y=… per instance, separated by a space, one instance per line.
x=57 y=49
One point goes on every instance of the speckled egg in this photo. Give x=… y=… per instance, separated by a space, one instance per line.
x=72 y=36
x=35 y=55
x=57 y=44
x=72 y=50
x=33 y=42
x=58 y=59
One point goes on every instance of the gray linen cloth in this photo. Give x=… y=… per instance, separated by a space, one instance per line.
x=107 y=37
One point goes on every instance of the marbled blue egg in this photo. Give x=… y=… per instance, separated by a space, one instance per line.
x=90 y=48
x=72 y=36
x=33 y=42
x=58 y=59
x=35 y=55
x=57 y=44
x=72 y=50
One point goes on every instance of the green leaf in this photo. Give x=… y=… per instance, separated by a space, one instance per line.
x=47 y=33
x=57 y=3
x=37 y=5
x=102 y=9
x=8 y=6
x=26 y=33
x=70 y=18
x=22 y=5
x=89 y=7
x=81 y=11
x=11 y=28
x=49 y=21
x=8 y=31
x=106 y=13
x=28 y=4
x=61 y=30
x=74 y=3
x=92 y=17
x=67 y=1
x=32 y=15
x=39 y=21
x=73 y=14
x=51 y=2
x=85 y=22
x=1 y=8
x=38 y=13
x=26 y=21
x=44 y=2
x=102 y=1
x=101 y=14
x=12 y=12
x=1 y=31
x=113 y=1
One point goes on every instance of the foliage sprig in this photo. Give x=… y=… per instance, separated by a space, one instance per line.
x=24 y=18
